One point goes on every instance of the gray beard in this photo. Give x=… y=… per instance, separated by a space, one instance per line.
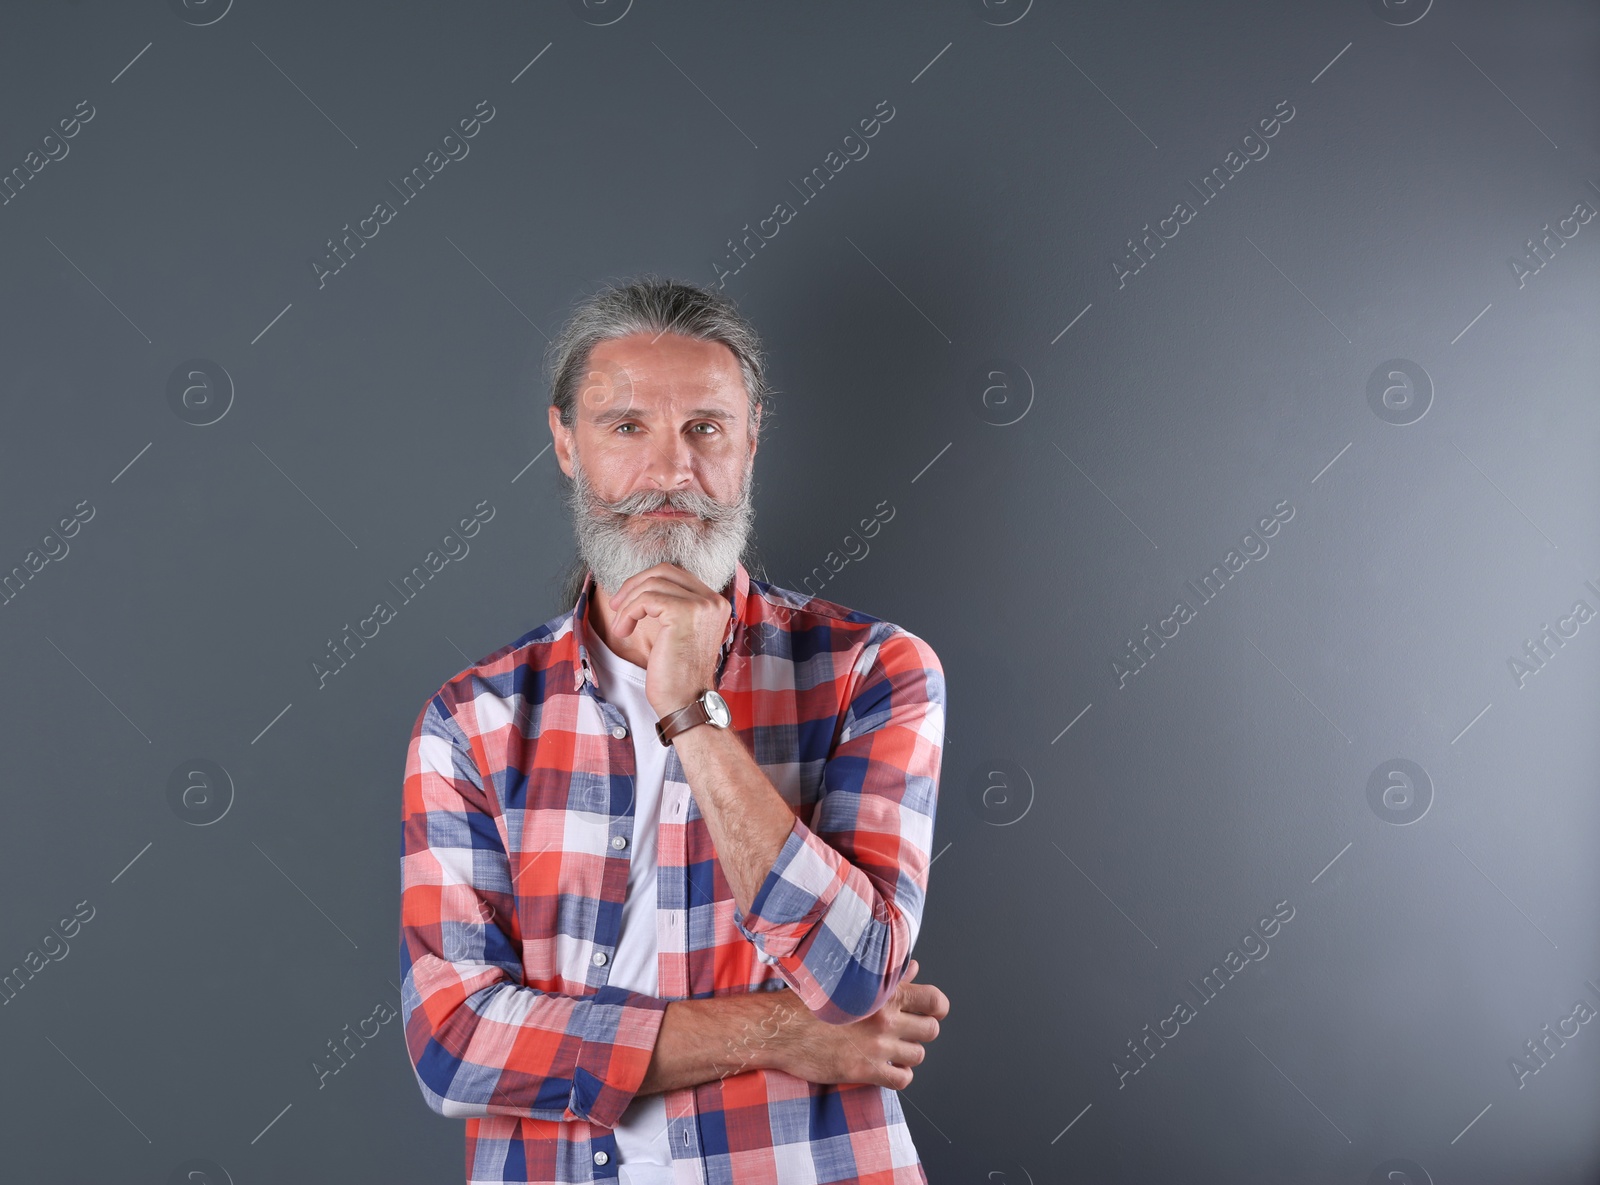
x=616 y=542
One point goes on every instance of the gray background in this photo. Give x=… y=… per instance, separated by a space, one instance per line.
x=1100 y=842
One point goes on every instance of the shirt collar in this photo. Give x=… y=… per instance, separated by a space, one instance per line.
x=582 y=632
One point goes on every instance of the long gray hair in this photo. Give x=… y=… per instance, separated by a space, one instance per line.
x=653 y=305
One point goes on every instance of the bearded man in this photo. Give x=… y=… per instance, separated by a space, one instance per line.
x=664 y=857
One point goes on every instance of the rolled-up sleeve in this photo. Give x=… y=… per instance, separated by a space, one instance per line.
x=480 y=1040
x=840 y=910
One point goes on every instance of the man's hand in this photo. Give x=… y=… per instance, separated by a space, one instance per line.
x=681 y=623
x=878 y=1049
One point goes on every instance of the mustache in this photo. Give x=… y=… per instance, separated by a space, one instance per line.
x=691 y=501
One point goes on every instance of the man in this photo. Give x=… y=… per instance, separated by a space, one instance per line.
x=664 y=857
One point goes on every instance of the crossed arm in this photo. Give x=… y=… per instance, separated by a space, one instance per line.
x=701 y=1040
x=836 y=916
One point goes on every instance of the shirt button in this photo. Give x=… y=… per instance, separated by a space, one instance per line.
x=601 y=1157
x=598 y=958
x=619 y=732
x=619 y=841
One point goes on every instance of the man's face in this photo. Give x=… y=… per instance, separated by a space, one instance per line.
x=661 y=456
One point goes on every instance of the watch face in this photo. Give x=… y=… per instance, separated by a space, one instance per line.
x=717 y=709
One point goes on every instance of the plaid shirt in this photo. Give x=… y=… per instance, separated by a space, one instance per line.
x=515 y=840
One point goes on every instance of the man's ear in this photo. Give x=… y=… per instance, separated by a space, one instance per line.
x=563 y=440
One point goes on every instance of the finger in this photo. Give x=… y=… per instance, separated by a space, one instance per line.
x=906 y=1053
x=666 y=573
x=911 y=1027
x=894 y=1077
x=640 y=594
x=926 y=1000
x=652 y=601
x=633 y=582
x=626 y=617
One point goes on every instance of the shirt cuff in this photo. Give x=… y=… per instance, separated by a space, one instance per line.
x=618 y=1029
x=805 y=878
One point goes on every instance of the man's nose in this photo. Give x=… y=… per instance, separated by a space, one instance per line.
x=671 y=465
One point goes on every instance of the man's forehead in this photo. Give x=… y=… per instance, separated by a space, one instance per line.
x=667 y=375
x=668 y=349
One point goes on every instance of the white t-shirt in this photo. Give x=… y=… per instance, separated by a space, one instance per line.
x=643 y=1146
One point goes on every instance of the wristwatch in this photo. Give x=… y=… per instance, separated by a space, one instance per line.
x=707 y=708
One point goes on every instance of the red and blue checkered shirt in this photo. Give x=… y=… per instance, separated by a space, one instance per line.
x=515 y=841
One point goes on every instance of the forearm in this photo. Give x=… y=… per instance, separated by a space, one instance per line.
x=832 y=898
x=746 y=816
x=704 y=1040
x=845 y=976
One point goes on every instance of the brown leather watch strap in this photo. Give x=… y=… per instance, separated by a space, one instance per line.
x=683 y=719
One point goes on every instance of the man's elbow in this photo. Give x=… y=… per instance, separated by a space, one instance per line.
x=434 y=1070
x=451 y=1109
x=859 y=993
x=441 y=1077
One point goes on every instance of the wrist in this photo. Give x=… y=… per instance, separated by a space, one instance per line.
x=704 y=707
x=680 y=698
x=670 y=704
x=770 y=1025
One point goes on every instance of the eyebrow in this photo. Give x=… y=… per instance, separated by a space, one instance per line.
x=699 y=413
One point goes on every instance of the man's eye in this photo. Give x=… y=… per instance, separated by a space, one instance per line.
x=702 y=424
